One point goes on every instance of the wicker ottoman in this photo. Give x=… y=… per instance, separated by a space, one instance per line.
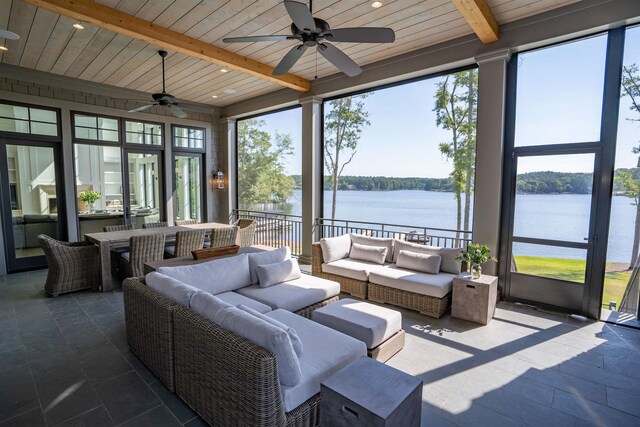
x=378 y=327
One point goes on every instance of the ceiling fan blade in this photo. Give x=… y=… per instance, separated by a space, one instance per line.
x=361 y=35
x=251 y=39
x=289 y=60
x=339 y=59
x=9 y=35
x=177 y=111
x=144 y=107
x=300 y=15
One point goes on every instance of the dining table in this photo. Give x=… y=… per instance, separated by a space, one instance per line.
x=109 y=241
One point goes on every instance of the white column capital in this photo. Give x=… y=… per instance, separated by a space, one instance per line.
x=228 y=120
x=497 y=55
x=311 y=100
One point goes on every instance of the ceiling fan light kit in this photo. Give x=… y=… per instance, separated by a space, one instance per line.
x=316 y=32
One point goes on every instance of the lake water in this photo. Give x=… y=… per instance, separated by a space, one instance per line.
x=552 y=216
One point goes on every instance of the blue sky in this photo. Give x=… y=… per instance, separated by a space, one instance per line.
x=559 y=100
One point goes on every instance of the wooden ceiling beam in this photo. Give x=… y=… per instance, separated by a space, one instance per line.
x=479 y=16
x=121 y=23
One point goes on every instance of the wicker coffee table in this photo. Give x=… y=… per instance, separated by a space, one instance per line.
x=379 y=328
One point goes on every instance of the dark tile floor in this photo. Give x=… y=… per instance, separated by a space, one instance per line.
x=65 y=361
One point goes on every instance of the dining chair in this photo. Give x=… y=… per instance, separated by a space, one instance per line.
x=223 y=236
x=186 y=241
x=186 y=222
x=142 y=249
x=160 y=224
x=123 y=227
x=246 y=231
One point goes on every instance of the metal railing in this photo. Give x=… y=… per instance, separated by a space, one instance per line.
x=274 y=228
x=630 y=303
x=442 y=237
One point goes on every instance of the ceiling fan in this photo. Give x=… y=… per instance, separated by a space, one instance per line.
x=163 y=98
x=316 y=32
x=6 y=34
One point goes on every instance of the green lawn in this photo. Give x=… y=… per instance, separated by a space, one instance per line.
x=573 y=270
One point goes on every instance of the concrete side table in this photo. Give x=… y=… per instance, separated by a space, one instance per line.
x=474 y=299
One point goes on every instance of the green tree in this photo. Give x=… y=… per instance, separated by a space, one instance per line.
x=342 y=126
x=261 y=165
x=456 y=110
x=630 y=184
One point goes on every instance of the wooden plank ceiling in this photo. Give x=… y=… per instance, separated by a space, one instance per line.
x=50 y=43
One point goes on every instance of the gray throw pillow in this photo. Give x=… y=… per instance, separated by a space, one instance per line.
x=278 y=272
x=295 y=340
x=419 y=262
x=449 y=263
x=266 y=257
x=385 y=242
x=375 y=254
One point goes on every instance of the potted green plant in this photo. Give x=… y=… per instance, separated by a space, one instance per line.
x=476 y=255
x=89 y=197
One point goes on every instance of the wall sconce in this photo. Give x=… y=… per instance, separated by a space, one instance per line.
x=218 y=179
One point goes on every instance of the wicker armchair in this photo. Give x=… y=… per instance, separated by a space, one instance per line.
x=246 y=232
x=160 y=224
x=186 y=241
x=187 y=221
x=141 y=249
x=223 y=236
x=72 y=266
x=124 y=227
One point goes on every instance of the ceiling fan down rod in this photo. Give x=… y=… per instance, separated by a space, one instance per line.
x=162 y=53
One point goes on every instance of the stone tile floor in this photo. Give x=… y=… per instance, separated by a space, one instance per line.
x=65 y=361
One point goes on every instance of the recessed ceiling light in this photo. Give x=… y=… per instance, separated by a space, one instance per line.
x=376 y=4
x=214 y=96
x=223 y=70
x=230 y=91
x=78 y=26
x=4 y=48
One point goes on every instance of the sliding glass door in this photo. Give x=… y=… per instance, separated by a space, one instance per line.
x=143 y=170
x=187 y=196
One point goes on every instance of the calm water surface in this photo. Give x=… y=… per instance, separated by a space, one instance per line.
x=550 y=216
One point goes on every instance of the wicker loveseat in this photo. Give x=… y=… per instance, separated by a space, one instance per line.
x=385 y=282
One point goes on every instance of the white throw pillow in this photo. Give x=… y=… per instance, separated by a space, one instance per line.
x=419 y=262
x=278 y=272
x=449 y=263
x=266 y=257
x=216 y=276
x=376 y=254
x=209 y=306
x=335 y=248
x=384 y=242
x=269 y=336
x=293 y=335
x=171 y=288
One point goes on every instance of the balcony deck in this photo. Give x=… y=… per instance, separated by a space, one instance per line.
x=66 y=359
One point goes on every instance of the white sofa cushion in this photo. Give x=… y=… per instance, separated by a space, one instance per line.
x=266 y=257
x=351 y=268
x=215 y=276
x=325 y=352
x=209 y=306
x=375 y=254
x=171 y=288
x=419 y=262
x=367 y=322
x=434 y=285
x=449 y=264
x=278 y=272
x=384 y=242
x=235 y=298
x=335 y=248
x=293 y=335
x=271 y=337
x=294 y=294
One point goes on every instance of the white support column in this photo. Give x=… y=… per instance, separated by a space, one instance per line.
x=311 y=172
x=492 y=81
x=227 y=162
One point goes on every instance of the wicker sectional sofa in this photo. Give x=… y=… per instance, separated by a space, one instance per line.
x=385 y=281
x=226 y=378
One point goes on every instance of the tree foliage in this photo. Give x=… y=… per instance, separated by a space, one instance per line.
x=554 y=183
x=261 y=165
x=343 y=125
x=456 y=111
